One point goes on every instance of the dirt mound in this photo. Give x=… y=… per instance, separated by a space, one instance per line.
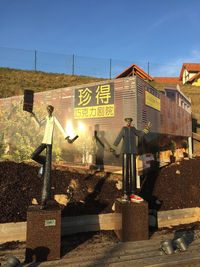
x=85 y=193
x=175 y=186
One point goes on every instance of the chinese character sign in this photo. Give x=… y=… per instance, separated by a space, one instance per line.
x=94 y=102
x=152 y=101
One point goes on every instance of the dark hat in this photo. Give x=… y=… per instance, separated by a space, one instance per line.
x=50 y=107
x=128 y=119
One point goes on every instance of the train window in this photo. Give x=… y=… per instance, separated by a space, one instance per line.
x=171 y=95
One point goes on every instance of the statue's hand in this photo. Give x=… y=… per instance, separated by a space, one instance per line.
x=113 y=148
x=149 y=125
x=69 y=140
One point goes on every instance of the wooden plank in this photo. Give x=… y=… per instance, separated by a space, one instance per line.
x=189 y=261
x=87 y=223
x=196 y=136
x=12 y=232
x=178 y=213
x=179 y=216
x=110 y=221
x=69 y=225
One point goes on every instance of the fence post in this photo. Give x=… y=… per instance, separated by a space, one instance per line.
x=73 y=64
x=35 y=60
x=190 y=146
x=110 y=67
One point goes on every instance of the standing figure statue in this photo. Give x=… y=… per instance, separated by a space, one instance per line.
x=47 y=142
x=129 y=152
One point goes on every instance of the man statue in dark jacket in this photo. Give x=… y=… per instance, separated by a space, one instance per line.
x=129 y=152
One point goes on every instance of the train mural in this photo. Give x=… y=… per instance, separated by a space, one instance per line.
x=96 y=112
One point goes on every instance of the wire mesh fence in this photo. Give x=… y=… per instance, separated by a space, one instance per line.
x=79 y=65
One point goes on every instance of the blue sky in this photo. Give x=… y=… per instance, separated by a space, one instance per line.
x=164 y=33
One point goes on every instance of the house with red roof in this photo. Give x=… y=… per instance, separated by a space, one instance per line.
x=134 y=70
x=190 y=73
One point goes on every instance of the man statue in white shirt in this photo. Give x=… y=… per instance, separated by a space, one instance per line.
x=47 y=143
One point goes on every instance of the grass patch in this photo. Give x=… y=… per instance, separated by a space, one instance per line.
x=13 y=82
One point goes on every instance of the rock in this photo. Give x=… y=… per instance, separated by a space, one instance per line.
x=158 y=202
x=119 y=185
x=34 y=201
x=90 y=189
x=62 y=199
x=113 y=206
x=74 y=184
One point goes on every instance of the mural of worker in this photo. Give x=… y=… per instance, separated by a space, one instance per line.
x=47 y=143
x=129 y=151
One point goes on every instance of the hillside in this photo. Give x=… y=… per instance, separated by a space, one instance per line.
x=13 y=81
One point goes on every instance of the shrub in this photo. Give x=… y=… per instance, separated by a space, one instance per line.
x=173 y=146
x=185 y=144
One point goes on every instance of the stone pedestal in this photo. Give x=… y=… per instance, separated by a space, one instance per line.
x=43 y=236
x=135 y=225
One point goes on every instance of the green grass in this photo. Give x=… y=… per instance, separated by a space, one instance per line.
x=13 y=82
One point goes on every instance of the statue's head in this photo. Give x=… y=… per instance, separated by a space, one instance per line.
x=128 y=121
x=50 y=109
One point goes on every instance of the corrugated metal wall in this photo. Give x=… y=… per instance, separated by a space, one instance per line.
x=146 y=113
x=129 y=101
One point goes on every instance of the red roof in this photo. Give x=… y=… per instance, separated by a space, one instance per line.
x=134 y=70
x=190 y=67
x=167 y=80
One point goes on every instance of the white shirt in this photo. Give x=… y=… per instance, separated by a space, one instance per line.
x=49 y=128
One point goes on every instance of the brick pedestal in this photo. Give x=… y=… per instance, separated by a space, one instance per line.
x=135 y=224
x=43 y=235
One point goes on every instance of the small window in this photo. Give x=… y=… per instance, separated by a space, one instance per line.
x=171 y=95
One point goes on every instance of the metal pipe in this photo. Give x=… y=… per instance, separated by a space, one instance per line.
x=190 y=146
x=35 y=60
